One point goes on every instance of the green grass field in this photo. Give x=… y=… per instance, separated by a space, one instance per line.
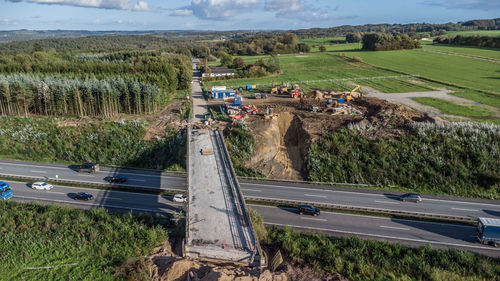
x=465 y=50
x=74 y=244
x=472 y=111
x=327 y=71
x=488 y=99
x=461 y=71
x=492 y=33
x=323 y=41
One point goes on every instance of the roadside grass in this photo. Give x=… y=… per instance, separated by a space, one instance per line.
x=484 y=98
x=472 y=111
x=326 y=71
x=369 y=260
x=45 y=140
x=466 y=50
x=74 y=244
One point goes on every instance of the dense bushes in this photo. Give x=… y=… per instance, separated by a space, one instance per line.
x=76 y=244
x=478 y=41
x=385 y=42
x=116 y=143
x=455 y=158
x=241 y=144
x=360 y=260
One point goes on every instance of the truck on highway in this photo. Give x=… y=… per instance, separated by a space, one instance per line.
x=488 y=231
x=5 y=191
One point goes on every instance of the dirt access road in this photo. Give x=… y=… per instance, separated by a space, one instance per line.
x=443 y=93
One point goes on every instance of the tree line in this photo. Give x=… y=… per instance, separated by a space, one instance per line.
x=24 y=94
x=478 y=41
x=385 y=42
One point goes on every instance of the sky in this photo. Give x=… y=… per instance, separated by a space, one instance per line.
x=233 y=14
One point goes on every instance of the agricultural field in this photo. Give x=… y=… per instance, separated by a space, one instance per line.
x=492 y=33
x=323 y=41
x=327 y=71
x=448 y=107
x=465 y=50
x=74 y=244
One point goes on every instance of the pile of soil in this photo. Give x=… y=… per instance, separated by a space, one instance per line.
x=165 y=265
x=283 y=139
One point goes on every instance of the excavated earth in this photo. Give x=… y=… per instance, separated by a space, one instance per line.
x=284 y=138
x=165 y=264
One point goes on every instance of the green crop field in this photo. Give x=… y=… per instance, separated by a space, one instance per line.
x=488 y=99
x=461 y=71
x=473 y=111
x=465 y=50
x=327 y=71
x=492 y=33
x=324 y=40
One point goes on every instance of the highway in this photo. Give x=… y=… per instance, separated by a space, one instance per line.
x=306 y=193
x=408 y=232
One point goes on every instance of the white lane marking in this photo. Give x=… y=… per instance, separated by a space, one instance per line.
x=460 y=209
x=393 y=227
x=388 y=237
x=364 y=194
x=349 y=206
x=90 y=176
x=254 y=190
x=313 y=219
x=137 y=180
x=34 y=171
x=55 y=192
x=314 y=195
x=387 y=202
x=374 y=217
x=92 y=204
x=110 y=198
x=36 y=166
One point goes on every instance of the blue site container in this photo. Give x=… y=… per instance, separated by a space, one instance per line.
x=237 y=100
x=249 y=88
x=340 y=100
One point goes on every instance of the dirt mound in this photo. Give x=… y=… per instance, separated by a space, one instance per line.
x=283 y=139
x=164 y=265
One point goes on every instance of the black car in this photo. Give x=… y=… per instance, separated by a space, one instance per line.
x=117 y=179
x=83 y=196
x=88 y=167
x=308 y=210
x=412 y=197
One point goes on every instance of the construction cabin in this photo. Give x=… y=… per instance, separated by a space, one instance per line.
x=221 y=93
x=218 y=72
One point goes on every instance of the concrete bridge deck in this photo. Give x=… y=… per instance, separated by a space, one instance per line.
x=218 y=226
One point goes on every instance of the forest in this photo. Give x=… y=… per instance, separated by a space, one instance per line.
x=91 y=84
x=386 y=42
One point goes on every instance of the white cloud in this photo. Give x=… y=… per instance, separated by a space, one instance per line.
x=217 y=9
x=465 y=4
x=102 y=4
x=182 y=12
x=285 y=6
x=141 y=6
x=298 y=9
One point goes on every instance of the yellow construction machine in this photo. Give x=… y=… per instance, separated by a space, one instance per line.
x=353 y=94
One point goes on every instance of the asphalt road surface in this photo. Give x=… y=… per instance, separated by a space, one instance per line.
x=294 y=192
x=408 y=232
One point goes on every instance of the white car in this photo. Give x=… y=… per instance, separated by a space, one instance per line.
x=181 y=198
x=41 y=186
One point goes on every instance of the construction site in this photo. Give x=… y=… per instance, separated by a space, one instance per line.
x=285 y=120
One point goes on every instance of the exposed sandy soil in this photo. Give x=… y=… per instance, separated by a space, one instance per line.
x=284 y=138
x=165 y=264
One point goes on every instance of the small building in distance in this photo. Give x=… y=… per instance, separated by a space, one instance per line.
x=218 y=72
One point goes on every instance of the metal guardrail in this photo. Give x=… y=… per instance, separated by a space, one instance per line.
x=367 y=209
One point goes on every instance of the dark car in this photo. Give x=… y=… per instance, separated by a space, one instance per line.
x=117 y=179
x=89 y=168
x=412 y=197
x=83 y=196
x=308 y=210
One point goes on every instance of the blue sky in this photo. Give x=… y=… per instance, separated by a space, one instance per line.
x=233 y=14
